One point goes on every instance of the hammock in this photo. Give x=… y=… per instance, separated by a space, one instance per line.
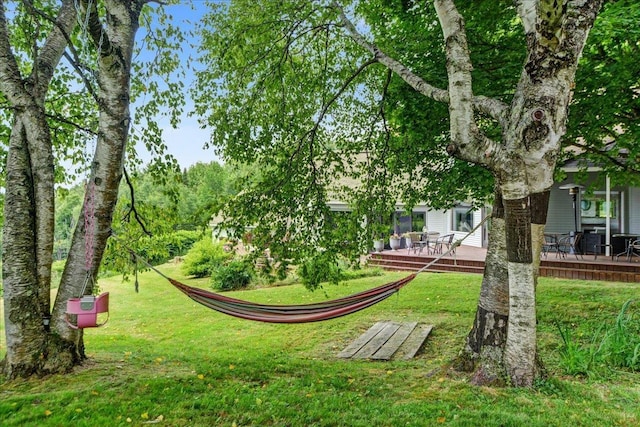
x=303 y=313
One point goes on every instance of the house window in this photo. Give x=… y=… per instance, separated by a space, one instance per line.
x=418 y=221
x=597 y=208
x=462 y=218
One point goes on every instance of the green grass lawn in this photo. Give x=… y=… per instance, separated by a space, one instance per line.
x=164 y=360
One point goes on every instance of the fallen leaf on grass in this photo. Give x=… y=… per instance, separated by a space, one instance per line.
x=158 y=419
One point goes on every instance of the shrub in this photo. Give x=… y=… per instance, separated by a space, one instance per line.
x=321 y=268
x=236 y=274
x=179 y=242
x=204 y=258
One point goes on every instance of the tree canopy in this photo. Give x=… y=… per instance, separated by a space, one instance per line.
x=384 y=102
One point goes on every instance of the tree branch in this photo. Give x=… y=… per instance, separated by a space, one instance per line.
x=71 y=123
x=132 y=207
x=75 y=63
x=11 y=83
x=65 y=26
x=607 y=156
x=405 y=73
x=468 y=142
x=57 y=41
x=492 y=107
x=528 y=14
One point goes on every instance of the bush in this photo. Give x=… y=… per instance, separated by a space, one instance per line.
x=322 y=268
x=235 y=275
x=179 y=242
x=204 y=258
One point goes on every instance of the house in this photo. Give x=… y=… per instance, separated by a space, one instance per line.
x=572 y=208
x=576 y=206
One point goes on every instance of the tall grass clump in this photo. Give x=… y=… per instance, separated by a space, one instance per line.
x=575 y=358
x=611 y=346
x=621 y=343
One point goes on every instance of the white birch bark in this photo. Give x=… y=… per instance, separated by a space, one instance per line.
x=524 y=161
x=520 y=347
x=117 y=42
x=29 y=199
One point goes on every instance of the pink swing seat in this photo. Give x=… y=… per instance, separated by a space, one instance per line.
x=86 y=310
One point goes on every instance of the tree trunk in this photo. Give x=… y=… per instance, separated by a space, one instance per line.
x=520 y=347
x=23 y=308
x=38 y=342
x=483 y=351
x=29 y=202
x=88 y=245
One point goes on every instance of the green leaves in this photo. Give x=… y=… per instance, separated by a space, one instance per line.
x=603 y=119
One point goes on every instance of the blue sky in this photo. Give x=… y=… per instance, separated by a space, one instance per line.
x=186 y=143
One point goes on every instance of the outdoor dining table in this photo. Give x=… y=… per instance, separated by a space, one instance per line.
x=628 y=239
x=425 y=243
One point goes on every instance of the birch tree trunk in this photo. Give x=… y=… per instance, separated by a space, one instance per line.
x=484 y=347
x=115 y=43
x=29 y=201
x=39 y=342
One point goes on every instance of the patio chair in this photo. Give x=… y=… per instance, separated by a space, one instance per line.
x=550 y=244
x=426 y=241
x=634 y=249
x=413 y=241
x=570 y=245
x=446 y=240
x=420 y=245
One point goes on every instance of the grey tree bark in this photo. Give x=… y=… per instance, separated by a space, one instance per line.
x=524 y=160
x=29 y=200
x=484 y=347
x=33 y=347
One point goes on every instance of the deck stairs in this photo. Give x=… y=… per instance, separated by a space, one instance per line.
x=605 y=269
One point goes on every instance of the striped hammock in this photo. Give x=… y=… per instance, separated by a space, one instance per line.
x=299 y=313
x=291 y=313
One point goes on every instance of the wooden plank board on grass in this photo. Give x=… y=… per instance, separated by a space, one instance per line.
x=377 y=341
x=414 y=342
x=356 y=345
x=386 y=351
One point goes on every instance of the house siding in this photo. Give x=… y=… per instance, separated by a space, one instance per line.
x=634 y=210
x=560 y=216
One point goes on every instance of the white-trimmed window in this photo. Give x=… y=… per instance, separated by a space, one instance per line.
x=462 y=218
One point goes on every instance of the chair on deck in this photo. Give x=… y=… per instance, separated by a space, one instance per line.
x=413 y=241
x=446 y=240
x=634 y=249
x=425 y=241
x=550 y=244
x=570 y=245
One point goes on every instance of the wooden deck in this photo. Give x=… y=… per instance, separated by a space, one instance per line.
x=470 y=259
x=388 y=340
